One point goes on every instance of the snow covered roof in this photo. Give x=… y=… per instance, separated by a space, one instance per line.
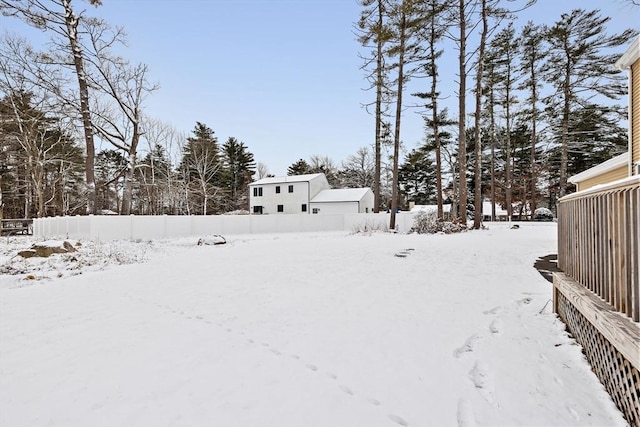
x=603 y=167
x=486 y=208
x=430 y=208
x=340 y=195
x=287 y=179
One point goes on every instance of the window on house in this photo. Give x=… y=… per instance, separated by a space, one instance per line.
x=366 y=210
x=255 y=191
x=277 y=189
x=257 y=209
x=316 y=210
x=280 y=208
x=291 y=189
x=304 y=207
x=259 y=191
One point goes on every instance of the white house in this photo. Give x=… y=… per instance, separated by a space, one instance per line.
x=343 y=200
x=285 y=194
x=306 y=194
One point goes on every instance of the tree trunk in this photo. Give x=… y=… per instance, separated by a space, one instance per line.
x=127 y=192
x=1 y=203
x=72 y=30
x=379 y=84
x=477 y=217
x=462 y=105
x=434 y=116
x=492 y=135
x=507 y=170
x=564 y=150
x=396 y=136
x=534 y=119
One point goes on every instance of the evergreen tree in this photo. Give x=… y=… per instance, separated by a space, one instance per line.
x=417 y=177
x=532 y=53
x=301 y=167
x=436 y=11
x=579 y=67
x=406 y=18
x=153 y=175
x=504 y=46
x=375 y=31
x=110 y=169
x=236 y=171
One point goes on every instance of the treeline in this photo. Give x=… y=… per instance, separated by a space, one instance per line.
x=42 y=174
x=535 y=103
x=546 y=104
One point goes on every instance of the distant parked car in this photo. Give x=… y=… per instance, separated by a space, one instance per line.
x=542 y=214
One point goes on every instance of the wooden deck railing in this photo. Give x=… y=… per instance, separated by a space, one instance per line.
x=598 y=234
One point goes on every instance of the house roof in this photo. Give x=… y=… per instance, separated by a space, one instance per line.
x=430 y=208
x=614 y=163
x=486 y=208
x=630 y=56
x=287 y=179
x=340 y=195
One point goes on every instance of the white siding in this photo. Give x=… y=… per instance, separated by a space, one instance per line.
x=291 y=202
x=326 y=208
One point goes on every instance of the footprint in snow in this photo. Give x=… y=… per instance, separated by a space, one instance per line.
x=524 y=301
x=398 y=420
x=332 y=375
x=374 y=402
x=312 y=367
x=482 y=378
x=346 y=390
x=496 y=327
x=465 y=414
x=404 y=253
x=573 y=413
x=467 y=347
x=494 y=310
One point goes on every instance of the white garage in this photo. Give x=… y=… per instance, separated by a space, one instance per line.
x=343 y=200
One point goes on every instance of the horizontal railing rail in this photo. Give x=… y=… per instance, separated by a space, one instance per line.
x=598 y=235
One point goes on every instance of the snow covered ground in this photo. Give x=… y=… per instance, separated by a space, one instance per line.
x=293 y=330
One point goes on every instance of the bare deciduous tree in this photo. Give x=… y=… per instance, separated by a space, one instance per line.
x=59 y=18
x=118 y=115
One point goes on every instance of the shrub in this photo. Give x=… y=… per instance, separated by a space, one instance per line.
x=369 y=226
x=428 y=223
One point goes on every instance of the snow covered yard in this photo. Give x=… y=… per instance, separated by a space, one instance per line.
x=294 y=330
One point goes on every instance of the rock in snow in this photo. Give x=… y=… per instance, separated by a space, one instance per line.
x=215 y=239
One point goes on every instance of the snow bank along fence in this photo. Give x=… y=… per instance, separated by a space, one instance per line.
x=105 y=228
x=597 y=294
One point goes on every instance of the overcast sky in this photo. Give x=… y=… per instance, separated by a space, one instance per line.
x=283 y=76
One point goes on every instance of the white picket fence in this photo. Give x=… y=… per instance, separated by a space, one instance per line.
x=106 y=228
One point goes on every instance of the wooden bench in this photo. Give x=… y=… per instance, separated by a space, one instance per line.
x=11 y=227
